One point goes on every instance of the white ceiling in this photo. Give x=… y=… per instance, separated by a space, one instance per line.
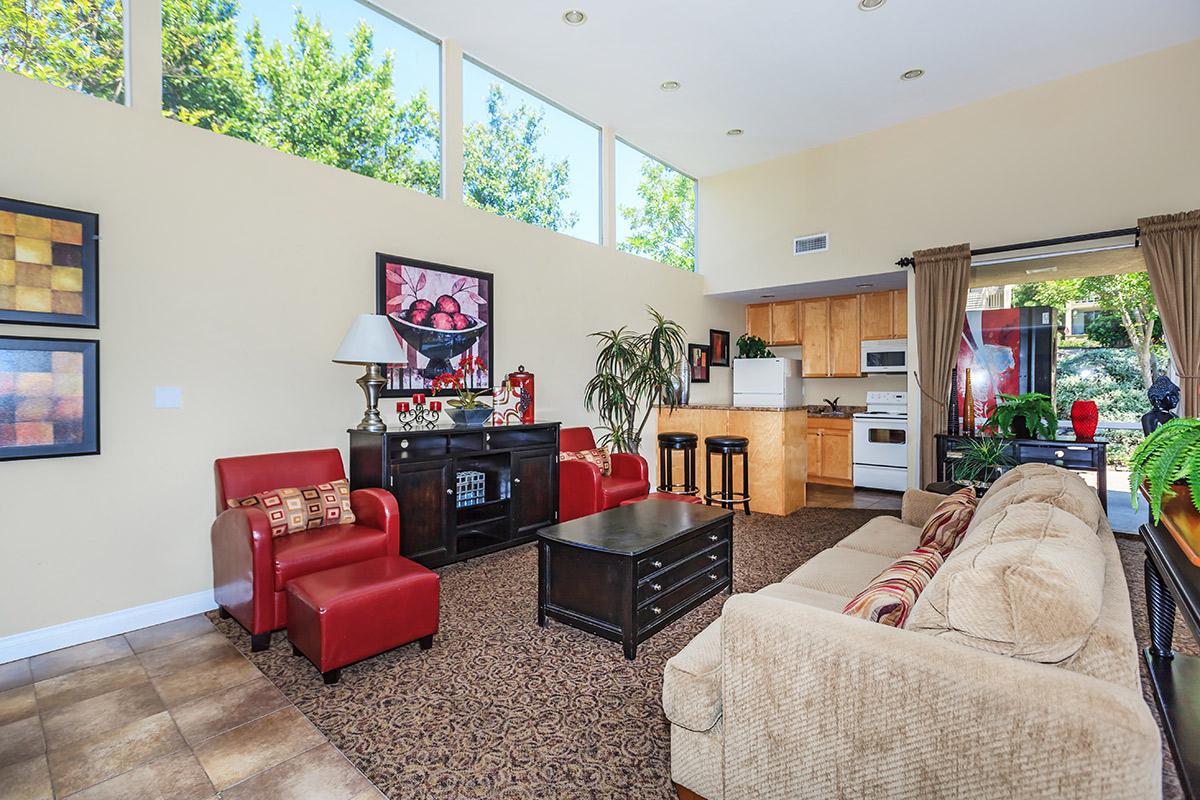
x=895 y=279
x=792 y=74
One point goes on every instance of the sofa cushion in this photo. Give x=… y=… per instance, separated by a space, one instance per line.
x=802 y=594
x=692 y=681
x=617 y=490
x=1056 y=486
x=596 y=455
x=890 y=597
x=302 y=508
x=839 y=570
x=1021 y=473
x=883 y=536
x=946 y=525
x=1028 y=583
x=304 y=553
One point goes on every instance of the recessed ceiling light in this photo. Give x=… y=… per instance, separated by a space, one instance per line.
x=870 y=5
x=912 y=74
x=734 y=132
x=669 y=86
x=574 y=16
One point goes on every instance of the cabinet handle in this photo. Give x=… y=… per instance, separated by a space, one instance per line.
x=656 y=564
x=656 y=587
x=404 y=444
x=712 y=537
x=712 y=576
x=516 y=480
x=656 y=610
x=712 y=556
x=449 y=491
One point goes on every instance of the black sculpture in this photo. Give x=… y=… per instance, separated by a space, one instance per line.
x=1164 y=396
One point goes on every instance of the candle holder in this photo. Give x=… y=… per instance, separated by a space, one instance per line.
x=419 y=414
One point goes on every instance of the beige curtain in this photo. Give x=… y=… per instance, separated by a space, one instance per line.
x=942 y=278
x=1171 y=247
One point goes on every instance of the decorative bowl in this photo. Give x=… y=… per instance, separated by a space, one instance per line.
x=469 y=416
x=438 y=345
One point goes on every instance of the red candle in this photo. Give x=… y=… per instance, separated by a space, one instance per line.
x=401 y=408
x=435 y=405
x=419 y=399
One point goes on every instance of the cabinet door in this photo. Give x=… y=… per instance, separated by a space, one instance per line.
x=425 y=494
x=813 y=440
x=534 y=491
x=835 y=454
x=845 y=344
x=875 y=309
x=758 y=321
x=785 y=325
x=815 y=317
x=900 y=314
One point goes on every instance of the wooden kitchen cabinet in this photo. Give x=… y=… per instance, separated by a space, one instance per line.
x=785 y=323
x=758 y=321
x=876 y=309
x=900 y=314
x=845 y=339
x=815 y=333
x=830 y=451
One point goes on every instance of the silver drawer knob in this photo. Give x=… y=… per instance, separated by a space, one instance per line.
x=712 y=557
x=712 y=537
x=656 y=564
x=656 y=587
x=404 y=444
x=449 y=491
x=516 y=480
x=656 y=610
x=712 y=576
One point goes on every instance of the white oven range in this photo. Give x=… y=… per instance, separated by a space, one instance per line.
x=881 y=442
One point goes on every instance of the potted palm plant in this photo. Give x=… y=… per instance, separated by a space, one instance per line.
x=981 y=461
x=633 y=370
x=1024 y=416
x=1166 y=465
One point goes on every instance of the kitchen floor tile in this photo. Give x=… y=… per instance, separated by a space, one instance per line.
x=26 y=780
x=80 y=656
x=177 y=776
x=14 y=674
x=187 y=653
x=17 y=704
x=235 y=755
x=116 y=709
x=201 y=680
x=111 y=753
x=85 y=683
x=168 y=633
x=204 y=718
x=318 y=774
x=21 y=741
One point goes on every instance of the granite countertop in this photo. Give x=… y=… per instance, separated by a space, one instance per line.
x=844 y=412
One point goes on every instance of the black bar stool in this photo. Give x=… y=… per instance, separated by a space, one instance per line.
x=727 y=447
x=668 y=443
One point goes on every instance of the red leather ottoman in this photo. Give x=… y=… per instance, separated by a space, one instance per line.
x=681 y=498
x=346 y=614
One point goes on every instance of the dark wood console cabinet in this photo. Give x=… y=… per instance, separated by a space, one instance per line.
x=420 y=467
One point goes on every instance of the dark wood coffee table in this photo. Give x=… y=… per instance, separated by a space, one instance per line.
x=627 y=573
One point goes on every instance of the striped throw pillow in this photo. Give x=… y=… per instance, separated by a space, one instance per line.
x=946 y=525
x=888 y=599
x=598 y=456
x=294 y=510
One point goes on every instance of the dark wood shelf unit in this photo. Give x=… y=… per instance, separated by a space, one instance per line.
x=419 y=467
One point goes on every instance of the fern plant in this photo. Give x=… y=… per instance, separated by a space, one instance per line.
x=1167 y=456
x=1036 y=408
x=980 y=459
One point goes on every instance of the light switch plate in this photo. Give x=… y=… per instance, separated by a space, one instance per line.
x=168 y=397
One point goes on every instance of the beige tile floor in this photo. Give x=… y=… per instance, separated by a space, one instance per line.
x=820 y=495
x=170 y=712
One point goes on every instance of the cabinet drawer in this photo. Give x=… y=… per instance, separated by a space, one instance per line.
x=671 y=574
x=679 y=552
x=669 y=602
x=1060 y=455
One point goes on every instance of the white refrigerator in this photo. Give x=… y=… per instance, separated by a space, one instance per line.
x=768 y=382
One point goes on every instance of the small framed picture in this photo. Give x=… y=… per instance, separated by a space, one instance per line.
x=49 y=263
x=49 y=397
x=700 y=359
x=718 y=345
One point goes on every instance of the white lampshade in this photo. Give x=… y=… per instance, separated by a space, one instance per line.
x=370 y=340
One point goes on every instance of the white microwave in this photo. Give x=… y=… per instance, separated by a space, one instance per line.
x=885 y=355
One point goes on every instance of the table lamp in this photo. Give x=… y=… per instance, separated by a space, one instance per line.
x=371 y=342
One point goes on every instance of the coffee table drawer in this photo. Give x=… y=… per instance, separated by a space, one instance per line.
x=671 y=574
x=665 y=606
x=679 y=552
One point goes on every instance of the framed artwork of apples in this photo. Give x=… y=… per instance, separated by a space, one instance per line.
x=440 y=314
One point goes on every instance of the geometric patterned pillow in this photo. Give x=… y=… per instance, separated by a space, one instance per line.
x=946 y=525
x=302 y=509
x=599 y=456
x=888 y=599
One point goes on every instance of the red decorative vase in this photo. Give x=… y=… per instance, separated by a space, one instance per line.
x=522 y=386
x=1084 y=418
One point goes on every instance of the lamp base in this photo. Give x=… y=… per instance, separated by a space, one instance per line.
x=372 y=383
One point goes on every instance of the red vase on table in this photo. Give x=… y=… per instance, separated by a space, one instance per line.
x=1084 y=418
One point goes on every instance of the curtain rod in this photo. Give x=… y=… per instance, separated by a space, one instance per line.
x=909 y=261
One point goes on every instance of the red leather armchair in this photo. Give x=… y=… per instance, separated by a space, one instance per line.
x=582 y=490
x=250 y=568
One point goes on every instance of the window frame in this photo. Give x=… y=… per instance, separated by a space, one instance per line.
x=695 y=204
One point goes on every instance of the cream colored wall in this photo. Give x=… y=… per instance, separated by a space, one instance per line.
x=233 y=271
x=1084 y=153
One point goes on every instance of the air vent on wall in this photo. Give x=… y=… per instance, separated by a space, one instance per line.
x=817 y=243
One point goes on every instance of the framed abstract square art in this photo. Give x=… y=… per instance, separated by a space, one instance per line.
x=441 y=315
x=718 y=346
x=49 y=263
x=700 y=359
x=49 y=397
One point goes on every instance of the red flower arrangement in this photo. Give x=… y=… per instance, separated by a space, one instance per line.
x=457 y=381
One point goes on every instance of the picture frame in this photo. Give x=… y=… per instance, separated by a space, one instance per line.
x=49 y=397
x=699 y=361
x=718 y=344
x=49 y=265
x=435 y=345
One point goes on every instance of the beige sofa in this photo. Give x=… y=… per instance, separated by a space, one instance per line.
x=1015 y=676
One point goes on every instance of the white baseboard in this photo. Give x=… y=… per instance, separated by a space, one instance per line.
x=55 y=637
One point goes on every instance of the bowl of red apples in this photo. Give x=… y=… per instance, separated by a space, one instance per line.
x=437 y=330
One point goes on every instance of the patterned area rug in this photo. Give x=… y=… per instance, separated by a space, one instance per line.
x=501 y=708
